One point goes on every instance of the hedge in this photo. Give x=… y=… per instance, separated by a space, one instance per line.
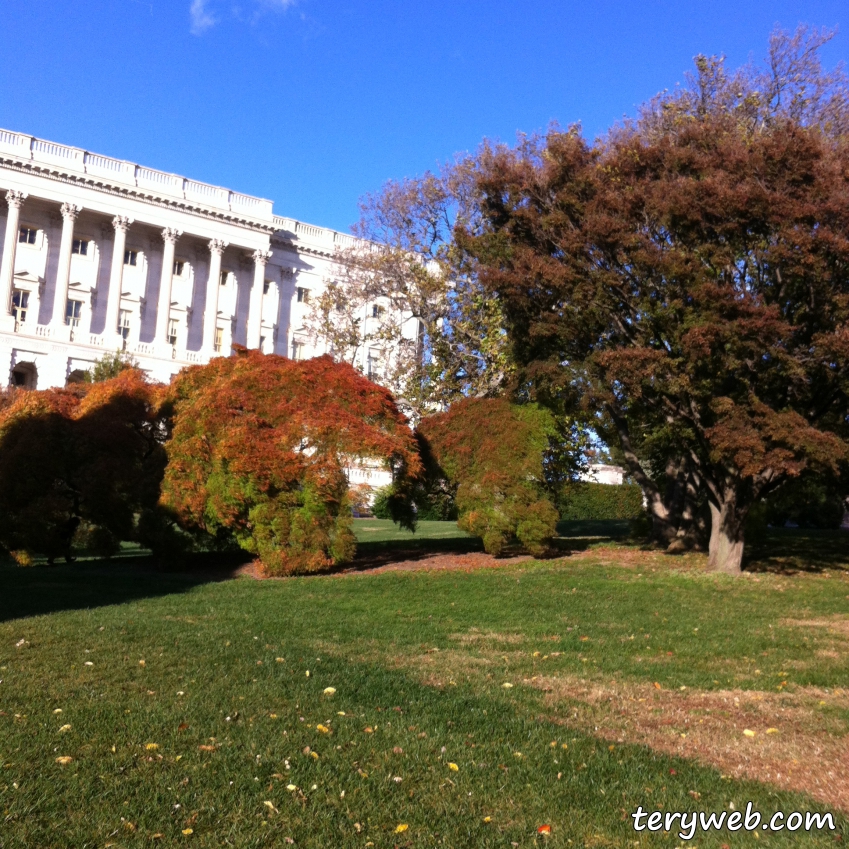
x=581 y=501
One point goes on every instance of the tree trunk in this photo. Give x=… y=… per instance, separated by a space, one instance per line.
x=726 y=536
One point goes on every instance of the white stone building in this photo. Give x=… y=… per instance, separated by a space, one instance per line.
x=100 y=255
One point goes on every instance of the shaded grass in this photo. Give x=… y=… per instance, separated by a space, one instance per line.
x=217 y=644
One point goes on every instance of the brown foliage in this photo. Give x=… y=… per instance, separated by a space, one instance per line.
x=689 y=276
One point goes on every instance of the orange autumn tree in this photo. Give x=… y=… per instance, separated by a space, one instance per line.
x=80 y=467
x=259 y=450
x=493 y=454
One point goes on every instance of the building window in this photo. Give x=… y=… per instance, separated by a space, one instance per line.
x=73 y=311
x=219 y=340
x=124 y=324
x=27 y=235
x=131 y=257
x=225 y=276
x=298 y=350
x=376 y=311
x=80 y=247
x=262 y=343
x=303 y=295
x=20 y=306
x=173 y=325
x=179 y=265
x=266 y=285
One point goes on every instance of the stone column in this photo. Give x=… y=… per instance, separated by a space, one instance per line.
x=116 y=275
x=63 y=272
x=163 y=309
x=7 y=268
x=255 y=304
x=210 y=313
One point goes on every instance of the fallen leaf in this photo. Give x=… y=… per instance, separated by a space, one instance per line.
x=544 y=829
x=188 y=831
x=772 y=731
x=453 y=767
x=748 y=732
x=329 y=691
x=207 y=748
x=323 y=729
x=270 y=805
x=151 y=747
x=507 y=685
x=65 y=728
x=487 y=819
x=401 y=828
x=63 y=759
x=657 y=686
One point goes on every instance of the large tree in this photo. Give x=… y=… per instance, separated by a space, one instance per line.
x=688 y=277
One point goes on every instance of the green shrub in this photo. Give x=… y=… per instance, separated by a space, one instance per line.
x=583 y=500
x=380 y=505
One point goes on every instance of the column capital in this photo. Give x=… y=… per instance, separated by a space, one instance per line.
x=122 y=223
x=216 y=246
x=15 y=199
x=261 y=257
x=70 y=211
x=170 y=235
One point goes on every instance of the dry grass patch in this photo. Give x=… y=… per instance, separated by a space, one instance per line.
x=474 y=636
x=835 y=625
x=791 y=742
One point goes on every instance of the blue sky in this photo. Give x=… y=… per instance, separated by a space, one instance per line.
x=314 y=102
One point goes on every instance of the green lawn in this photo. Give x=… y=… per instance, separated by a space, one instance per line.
x=198 y=705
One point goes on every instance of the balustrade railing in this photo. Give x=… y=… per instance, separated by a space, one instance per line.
x=127 y=173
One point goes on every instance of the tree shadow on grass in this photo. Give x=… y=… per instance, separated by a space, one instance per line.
x=42 y=589
x=788 y=551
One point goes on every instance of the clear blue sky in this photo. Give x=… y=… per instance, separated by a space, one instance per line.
x=314 y=102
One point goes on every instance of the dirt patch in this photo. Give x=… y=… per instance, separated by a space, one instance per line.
x=790 y=743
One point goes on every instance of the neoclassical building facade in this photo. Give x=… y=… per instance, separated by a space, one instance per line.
x=100 y=255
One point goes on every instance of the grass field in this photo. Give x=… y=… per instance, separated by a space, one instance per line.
x=197 y=713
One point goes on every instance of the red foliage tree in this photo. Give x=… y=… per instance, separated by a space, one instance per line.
x=494 y=452
x=83 y=461
x=688 y=277
x=259 y=449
